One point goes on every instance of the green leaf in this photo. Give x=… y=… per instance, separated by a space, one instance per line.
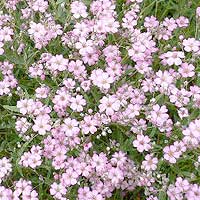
x=11 y=108
x=60 y=1
x=162 y=195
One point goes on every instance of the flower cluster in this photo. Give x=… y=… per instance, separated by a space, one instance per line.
x=9 y=81
x=42 y=34
x=6 y=32
x=5 y=168
x=33 y=158
x=182 y=188
x=106 y=102
x=22 y=189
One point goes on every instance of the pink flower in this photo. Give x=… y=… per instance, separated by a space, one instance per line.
x=171 y=154
x=57 y=190
x=89 y=125
x=77 y=68
x=116 y=175
x=70 y=177
x=109 y=104
x=182 y=22
x=5 y=168
x=163 y=79
x=77 y=103
x=149 y=163
x=42 y=92
x=193 y=193
x=119 y=158
x=25 y=106
x=191 y=44
x=69 y=83
x=78 y=9
x=32 y=158
x=182 y=184
x=83 y=193
x=170 y=24
x=174 y=57
x=86 y=85
x=193 y=130
x=36 y=30
x=183 y=112
x=57 y=63
x=87 y=146
x=70 y=127
x=39 y=5
x=22 y=125
x=198 y=11
x=142 y=143
x=151 y=22
x=186 y=70
x=6 y=34
x=1 y=48
x=132 y=111
x=94 y=195
x=99 y=161
x=159 y=114
x=84 y=46
x=42 y=124
x=101 y=79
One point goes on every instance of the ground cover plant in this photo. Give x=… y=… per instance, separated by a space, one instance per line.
x=99 y=100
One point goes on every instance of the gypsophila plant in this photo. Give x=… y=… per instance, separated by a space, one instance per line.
x=100 y=100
